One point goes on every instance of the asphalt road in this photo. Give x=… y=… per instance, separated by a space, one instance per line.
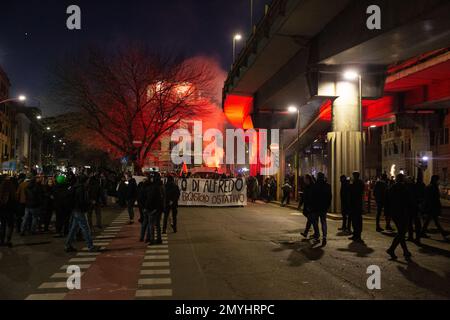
x=254 y=252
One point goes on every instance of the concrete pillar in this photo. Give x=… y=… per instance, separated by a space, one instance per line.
x=346 y=141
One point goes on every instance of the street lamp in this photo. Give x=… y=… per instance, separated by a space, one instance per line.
x=48 y=128
x=295 y=109
x=39 y=117
x=20 y=98
x=237 y=37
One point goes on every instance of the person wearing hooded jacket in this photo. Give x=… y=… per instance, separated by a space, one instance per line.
x=172 y=195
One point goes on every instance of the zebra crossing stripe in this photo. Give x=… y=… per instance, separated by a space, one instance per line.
x=152 y=282
x=46 y=296
x=160 y=257
x=53 y=285
x=155 y=272
x=73 y=260
x=156 y=264
x=154 y=293
x=81 y=266
x=62 y=275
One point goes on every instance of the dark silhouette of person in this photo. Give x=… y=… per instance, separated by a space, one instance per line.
x=356 y=206
x=321 y=202
x=417 y=203
x=307 y=202
x=345 y=205
x=398 y=205
x=433 y=207
x=379 y=193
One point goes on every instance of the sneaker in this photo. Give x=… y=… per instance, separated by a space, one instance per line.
x=94 y=249
x=304 y=234
x=324 y=243
x=408 y=256
x=392 y=254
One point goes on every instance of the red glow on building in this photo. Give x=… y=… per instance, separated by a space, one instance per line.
x=237 y=110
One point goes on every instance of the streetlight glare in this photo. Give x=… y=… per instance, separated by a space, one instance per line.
x=237 y=37
x=351 y=75
x=22 y=98
x=48 y=128
x=292 y=109
x=39 y=117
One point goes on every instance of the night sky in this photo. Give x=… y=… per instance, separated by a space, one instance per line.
x=33 y=34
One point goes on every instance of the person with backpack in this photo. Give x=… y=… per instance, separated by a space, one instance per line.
x=172 y=195
x=80 y=204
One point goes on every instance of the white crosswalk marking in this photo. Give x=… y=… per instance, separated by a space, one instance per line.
x=62 y=275
x=157 y=251
x=53 y=285
x=156 y=293
x=159 y=257
x=156 y=264
x=154 y=272
x=46 y=296
x=75 y=260
x=81 y=266
x=150 y=282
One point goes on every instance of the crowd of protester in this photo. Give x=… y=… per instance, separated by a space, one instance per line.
x=65 y=205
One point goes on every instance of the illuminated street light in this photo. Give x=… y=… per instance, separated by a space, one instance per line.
x=48 y=128
x=22 y=98
x=373 y=126
x=292 y=109
x=237 y=37
x=19 y=98
x=425 y=158
x=39 y=117
x=351 y=75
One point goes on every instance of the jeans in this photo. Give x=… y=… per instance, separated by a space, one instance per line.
x=79 y=221
x=130 y=205
x=33 y=214
x=98 y=215
x=322 y=216
x=402 y=228
x=174 y=208
x=145 y=226
x=155 y=225
x=286 y=198
x=312 y=222
x=357 y=223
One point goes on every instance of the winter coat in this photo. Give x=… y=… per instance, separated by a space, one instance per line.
x=379 y=192
x=398 y=204
x=432 y=205
x=321 y=197
x=356 y=197
x=33 y=195
x=172 y=193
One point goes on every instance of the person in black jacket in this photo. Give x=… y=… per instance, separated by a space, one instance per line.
x=80 y=205
x=307 y=203
x=172 y=195
x=379 y=193
x=62 y=205
x=131 y=195
x=33 y=202
x=433 y=207
x=356 y=206
x=48 y=204
x=7 y=206
x=417 y=191
x=398 y=200
x=95 y=198
x=321 y=202
x=153 y=200
x=345 y=205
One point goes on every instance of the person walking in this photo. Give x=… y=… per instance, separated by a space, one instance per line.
x=21 y=199
x=80 y=204
x=356 y=206
x=33 y=202
x=144 y=189
x=172 y=195
x=131 y=195
x=307 y=202
x=398 y=205
x=153 y=207
x=433 y=208
x=345 y=205
x=62 y=205
x=287 y=189
x=380 y=193
x=7 y=207
x=48 y=203
x=417 y=191
x=95 y=198
x=321 y=202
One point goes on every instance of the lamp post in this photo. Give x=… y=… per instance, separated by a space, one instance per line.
x=237 y=37
x=251 y=16
x=294 y=109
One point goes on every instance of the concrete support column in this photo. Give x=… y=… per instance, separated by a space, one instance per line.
x=346 y=141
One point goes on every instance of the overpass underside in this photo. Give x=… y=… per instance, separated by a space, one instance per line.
x=300 y=53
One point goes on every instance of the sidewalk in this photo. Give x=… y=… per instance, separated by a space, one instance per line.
x=369 y=216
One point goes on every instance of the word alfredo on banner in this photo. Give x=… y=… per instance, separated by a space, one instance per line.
x=213 y=193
